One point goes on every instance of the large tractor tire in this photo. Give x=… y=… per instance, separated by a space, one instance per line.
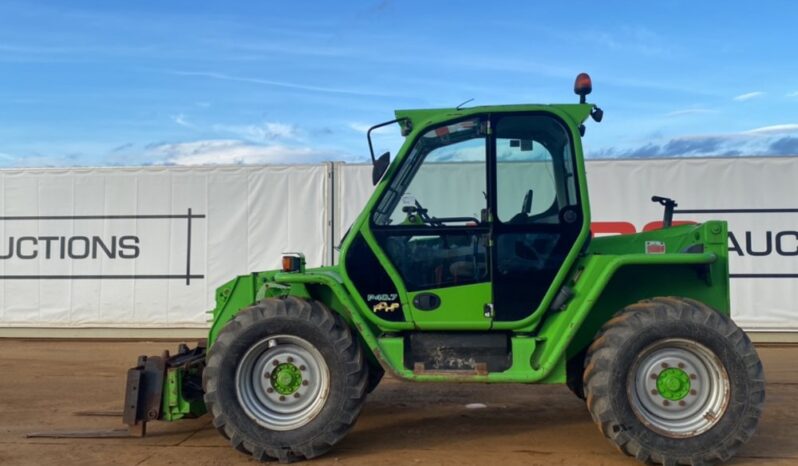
x=670 y=381
x=285 y=380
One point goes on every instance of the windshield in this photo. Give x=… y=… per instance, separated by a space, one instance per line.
x=422 y=186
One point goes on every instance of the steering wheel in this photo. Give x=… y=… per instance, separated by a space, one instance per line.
x=424 y=216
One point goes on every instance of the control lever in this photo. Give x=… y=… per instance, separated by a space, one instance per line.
x=669 y=205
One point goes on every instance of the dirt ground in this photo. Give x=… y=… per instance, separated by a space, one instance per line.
x=42 y=383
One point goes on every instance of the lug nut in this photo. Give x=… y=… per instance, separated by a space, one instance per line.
x=654 y=391
x=693 y=392
x=302 y=368
x=654 y=376
x=682 y=403
x=664 y=365
x=681 y=365
x=290 y=359
x=282 y=398
x=305 y=383
x=693 y=376
x=296 y=395
x=666 y=403
x=275 y=363
x=270 y=390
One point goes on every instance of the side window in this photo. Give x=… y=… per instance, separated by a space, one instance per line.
x=532 y=165
x=443 y=181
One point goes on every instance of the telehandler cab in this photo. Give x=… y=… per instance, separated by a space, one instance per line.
x=473 y=261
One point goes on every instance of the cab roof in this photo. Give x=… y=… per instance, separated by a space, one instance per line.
x=573 y=114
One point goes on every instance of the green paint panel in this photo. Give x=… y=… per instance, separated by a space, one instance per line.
x=462 y=308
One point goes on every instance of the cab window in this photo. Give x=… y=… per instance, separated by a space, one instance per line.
x=430 y=221
x=443 y=181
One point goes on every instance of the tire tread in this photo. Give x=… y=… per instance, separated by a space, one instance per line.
x=340 y=336
x=622 y=327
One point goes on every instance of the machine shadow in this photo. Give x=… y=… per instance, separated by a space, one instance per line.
x=399 y=428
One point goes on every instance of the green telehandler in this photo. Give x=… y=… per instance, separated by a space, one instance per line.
x=473 y=261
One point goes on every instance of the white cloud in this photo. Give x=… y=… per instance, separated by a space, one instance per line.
x=37 y=160
x=364 y=127
x=265 y=132
x=279 y=130
x=690 y=111
x=766 y=140
x=282 y=84
x=182 y=121
x=749 y=96
x=630 y=38
x=774 y=129
x=230 y=151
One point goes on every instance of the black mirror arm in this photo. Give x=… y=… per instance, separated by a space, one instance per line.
x=377 y=126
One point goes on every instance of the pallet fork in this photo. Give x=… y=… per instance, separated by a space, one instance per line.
x=154 y=386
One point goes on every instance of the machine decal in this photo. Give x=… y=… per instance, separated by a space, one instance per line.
x=386 y=302
x=382 y=306
x=655 y=247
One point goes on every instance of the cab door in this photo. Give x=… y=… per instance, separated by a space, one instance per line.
x=538 y=213
x=432 y=226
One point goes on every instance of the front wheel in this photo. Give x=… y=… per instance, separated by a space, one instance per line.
x=671 y=381
x=285 y=380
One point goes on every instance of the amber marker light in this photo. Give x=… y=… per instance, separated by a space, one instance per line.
x=293 y=262
x=583 y=86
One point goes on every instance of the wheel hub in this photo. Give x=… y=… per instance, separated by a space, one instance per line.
x=286 y=379
x=673 y=384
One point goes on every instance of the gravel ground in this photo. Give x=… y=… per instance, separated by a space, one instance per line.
x=42 y=384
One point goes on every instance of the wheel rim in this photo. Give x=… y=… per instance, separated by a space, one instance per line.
x=282 y=382
x=678 y=388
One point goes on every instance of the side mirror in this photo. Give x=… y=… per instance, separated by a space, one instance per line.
x=379 y=168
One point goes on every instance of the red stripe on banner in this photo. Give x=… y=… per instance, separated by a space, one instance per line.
x=442 y=131
x=612 y=228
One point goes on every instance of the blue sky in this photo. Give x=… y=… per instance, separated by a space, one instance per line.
x=181 y=82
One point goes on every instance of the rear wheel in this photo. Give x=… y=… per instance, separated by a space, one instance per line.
x=285 y=380
x=671 y=381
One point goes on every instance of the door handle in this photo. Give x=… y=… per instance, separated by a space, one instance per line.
x=426 y=301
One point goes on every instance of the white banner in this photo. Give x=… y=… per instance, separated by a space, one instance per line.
x=146 y=247
x=756 y=195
